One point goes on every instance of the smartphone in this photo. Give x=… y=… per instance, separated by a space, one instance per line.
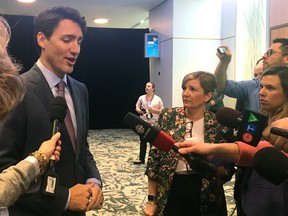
x=221 y=50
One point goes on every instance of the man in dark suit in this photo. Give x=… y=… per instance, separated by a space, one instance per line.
x=58 y=32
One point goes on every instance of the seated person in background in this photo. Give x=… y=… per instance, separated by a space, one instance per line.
x=174 y=188
x=149 y=106
x=247 y=90
x=258 y=196
x=16 y=179
x=216 y=102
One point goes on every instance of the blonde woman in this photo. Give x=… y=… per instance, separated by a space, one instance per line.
x=174 y=188
x=16 y=179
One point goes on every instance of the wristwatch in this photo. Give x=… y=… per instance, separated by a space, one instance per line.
x=151 y=198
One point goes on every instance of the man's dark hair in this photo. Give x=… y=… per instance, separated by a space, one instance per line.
x=284 y=46
x=47 y=21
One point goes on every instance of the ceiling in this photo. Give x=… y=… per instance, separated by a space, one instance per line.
x=120 y=13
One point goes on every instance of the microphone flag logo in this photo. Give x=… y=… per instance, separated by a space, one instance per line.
x=139 y=129
x=247 y=137
x=252 y=118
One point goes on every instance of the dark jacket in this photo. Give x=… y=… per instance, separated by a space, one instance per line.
x=161 y=165
x=28 y=125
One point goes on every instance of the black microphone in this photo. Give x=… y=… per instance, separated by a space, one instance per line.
x=163 y=141
x=56 y=112
x=250 y=125
x=271 y=164
x=279 y=132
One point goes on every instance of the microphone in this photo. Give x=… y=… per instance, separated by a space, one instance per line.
x=250 y=125
x=229 y=117
x=271 y=164
x=163 y=141
x=279 y=132
x=57 y=112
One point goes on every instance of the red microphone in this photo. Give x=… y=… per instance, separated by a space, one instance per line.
x=163 y=141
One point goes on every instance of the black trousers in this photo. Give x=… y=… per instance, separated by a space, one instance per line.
x=184 y=197
x=143 y=148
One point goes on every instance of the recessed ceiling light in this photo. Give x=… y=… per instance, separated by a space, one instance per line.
x=100 y=20
x=26 y=1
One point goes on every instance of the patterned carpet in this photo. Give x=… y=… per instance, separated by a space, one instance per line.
x=125 y=185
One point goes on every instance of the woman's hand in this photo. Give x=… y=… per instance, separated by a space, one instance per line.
x=150 y=208
x=279 y=142
x=189 y=146
x=52 y=147
x=150 y=110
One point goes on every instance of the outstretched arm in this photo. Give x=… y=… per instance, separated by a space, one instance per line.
x=221 y=69
x=16 y=179
x=227 y=151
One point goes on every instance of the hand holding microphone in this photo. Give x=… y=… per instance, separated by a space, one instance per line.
x=277 y=134
x=57 y=112
x=51 y=148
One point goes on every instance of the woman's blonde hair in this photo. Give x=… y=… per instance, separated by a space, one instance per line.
x=11 y=86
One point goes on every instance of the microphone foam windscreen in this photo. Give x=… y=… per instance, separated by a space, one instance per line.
x=141 y=127
x=149 y=133
x=271 y=164
x=57 y=109
x=228 y=117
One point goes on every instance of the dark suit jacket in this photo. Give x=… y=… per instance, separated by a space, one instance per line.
x=28 y=125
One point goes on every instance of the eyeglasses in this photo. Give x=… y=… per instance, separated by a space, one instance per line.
x=270 y=52
x=188 y=130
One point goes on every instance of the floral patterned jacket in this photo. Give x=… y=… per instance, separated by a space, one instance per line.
x=162 y=165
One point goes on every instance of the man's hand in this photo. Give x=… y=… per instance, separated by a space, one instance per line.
x=79 y=197
x=96 y=197
x=221 y=69
x=225 y=57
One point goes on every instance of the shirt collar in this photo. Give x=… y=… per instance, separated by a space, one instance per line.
x=51 y=77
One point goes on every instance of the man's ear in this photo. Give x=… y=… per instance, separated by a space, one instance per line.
x=285 y=59
x=41 y=39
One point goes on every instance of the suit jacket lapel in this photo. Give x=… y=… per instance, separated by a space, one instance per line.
x=75 y=94
x=41 y=88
